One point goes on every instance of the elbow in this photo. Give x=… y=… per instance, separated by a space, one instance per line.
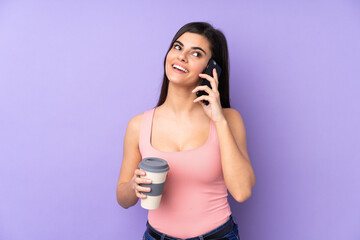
x=121 y=204
x=125 y=202
x=121 y=201
x=242 y=196
x=245 y=191
x=124 y=207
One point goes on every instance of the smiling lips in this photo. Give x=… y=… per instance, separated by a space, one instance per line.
x=179 y=68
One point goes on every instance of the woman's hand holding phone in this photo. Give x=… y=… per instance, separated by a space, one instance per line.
x=213 y=109
x=208 y=70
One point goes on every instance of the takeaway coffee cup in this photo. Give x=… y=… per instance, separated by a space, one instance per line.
x=156 y=170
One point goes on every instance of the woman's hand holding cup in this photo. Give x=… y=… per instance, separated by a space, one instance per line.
x=155 y=169
x=137 y=180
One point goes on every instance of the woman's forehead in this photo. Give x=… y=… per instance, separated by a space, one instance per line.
x=194 y=40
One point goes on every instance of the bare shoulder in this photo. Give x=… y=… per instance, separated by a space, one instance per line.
x=233 y=117
x=133 y=131
x=134 y=124
x=236 y=124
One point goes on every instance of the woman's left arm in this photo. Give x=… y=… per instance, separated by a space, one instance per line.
x=237 y=170
x=238 y=173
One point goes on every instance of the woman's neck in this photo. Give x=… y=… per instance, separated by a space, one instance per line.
x=179 y=101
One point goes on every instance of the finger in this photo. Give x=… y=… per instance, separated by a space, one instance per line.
x=211 y=80
x=143 y=189
x=202 y=104
x=216 y=77
x=214 y=84
x=206 y=76
x=204 y=88
x=204 y=97
x=139 y=172
x=140 y=195
x=140 y=180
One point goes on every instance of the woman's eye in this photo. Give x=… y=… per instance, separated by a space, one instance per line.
x=197 y=54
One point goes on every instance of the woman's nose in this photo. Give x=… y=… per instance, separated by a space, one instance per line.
x=182 y=57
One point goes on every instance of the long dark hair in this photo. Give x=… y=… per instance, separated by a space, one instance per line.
x=219 y=50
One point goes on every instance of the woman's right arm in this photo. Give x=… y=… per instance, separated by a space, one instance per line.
x=128 y=188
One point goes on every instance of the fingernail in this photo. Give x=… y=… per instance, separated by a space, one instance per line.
x=193 y=90
x=148 y=181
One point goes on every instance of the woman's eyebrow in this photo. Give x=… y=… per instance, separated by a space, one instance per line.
x=199 y=48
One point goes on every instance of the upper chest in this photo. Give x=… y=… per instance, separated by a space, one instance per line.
x=175 y=136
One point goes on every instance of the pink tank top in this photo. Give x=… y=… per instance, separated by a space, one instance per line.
x=194 y=200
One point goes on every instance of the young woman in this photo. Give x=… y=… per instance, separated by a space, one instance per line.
x=204 y=145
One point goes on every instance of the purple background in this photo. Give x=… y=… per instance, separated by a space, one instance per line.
x=73 y=73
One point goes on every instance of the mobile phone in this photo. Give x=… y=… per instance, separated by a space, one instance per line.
x=208 y=70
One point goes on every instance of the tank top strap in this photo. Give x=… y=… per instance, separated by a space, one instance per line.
x=145 y=130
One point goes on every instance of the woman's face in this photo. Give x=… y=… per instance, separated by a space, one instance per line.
x=191 y=53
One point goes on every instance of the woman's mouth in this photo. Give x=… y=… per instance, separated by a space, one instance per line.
x=179 y=69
